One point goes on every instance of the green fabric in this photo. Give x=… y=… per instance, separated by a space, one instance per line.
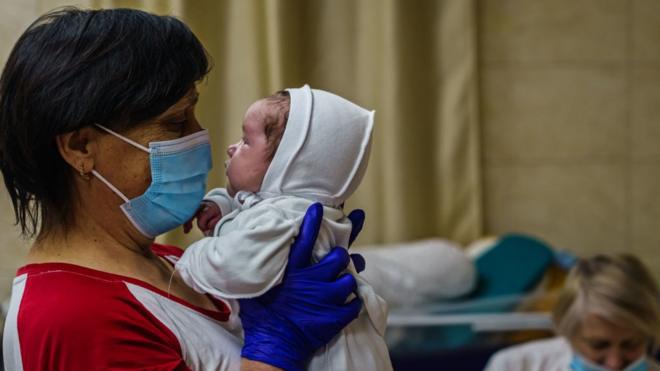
x=514 y=265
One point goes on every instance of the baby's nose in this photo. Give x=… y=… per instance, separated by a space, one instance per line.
x=230 y=150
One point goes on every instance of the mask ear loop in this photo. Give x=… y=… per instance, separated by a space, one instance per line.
x=129 y=141
x=121 y=195
x=113 y=188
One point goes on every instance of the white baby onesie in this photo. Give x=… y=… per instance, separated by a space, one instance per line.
x=247 y=255
x=322 y=157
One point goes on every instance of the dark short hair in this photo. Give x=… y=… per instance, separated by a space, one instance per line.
x=72 y=68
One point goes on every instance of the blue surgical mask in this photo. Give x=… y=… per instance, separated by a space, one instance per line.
x=178 y=182
x=580 y=363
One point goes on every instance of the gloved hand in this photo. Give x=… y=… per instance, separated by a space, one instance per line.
x=285 y=326
x=357 y=220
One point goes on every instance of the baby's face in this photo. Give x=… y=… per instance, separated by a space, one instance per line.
x=248 y=159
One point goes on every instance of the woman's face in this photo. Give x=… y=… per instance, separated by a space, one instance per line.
x=127 y=167
x=608 y=344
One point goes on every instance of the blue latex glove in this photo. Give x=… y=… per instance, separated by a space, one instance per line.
x=357 y=220
x=285 y=326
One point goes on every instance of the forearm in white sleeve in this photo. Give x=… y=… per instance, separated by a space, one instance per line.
x=243 y=263
x=220 y=197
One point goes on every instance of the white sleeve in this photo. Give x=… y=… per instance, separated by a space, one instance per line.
x=243 y=263
x=220 y=197
x=500 y=362
x=539 y=355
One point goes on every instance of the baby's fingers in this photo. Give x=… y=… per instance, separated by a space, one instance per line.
x=187 y=226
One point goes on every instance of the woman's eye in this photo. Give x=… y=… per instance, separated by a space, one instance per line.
x=599 y=345
x=177 y=126
x=631 y=344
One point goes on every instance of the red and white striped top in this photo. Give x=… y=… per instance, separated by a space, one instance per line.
x=68 y=317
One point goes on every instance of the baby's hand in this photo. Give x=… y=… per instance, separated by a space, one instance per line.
x=208 y=215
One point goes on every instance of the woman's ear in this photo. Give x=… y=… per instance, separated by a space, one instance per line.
x=77 y=148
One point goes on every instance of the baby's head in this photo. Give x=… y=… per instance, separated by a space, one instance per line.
x=263 y=127
x=304 y=142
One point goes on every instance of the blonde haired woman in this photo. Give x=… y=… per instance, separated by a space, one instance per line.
x=607 y=316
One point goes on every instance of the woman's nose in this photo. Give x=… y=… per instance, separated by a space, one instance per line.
x=192 y=125
x=614 y=360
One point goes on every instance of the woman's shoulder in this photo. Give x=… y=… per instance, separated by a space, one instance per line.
x=548 y=354
x=59 y=308
x=653 y=365
x=79 y=286
x=68 y=294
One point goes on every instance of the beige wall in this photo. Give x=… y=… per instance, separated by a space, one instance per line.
x=570 y=92
x=570 y=107
x=15 y=16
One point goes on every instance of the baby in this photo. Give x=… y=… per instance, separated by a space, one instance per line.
x=299 y=146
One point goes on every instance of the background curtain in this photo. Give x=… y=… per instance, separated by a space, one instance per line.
x=413 y=62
